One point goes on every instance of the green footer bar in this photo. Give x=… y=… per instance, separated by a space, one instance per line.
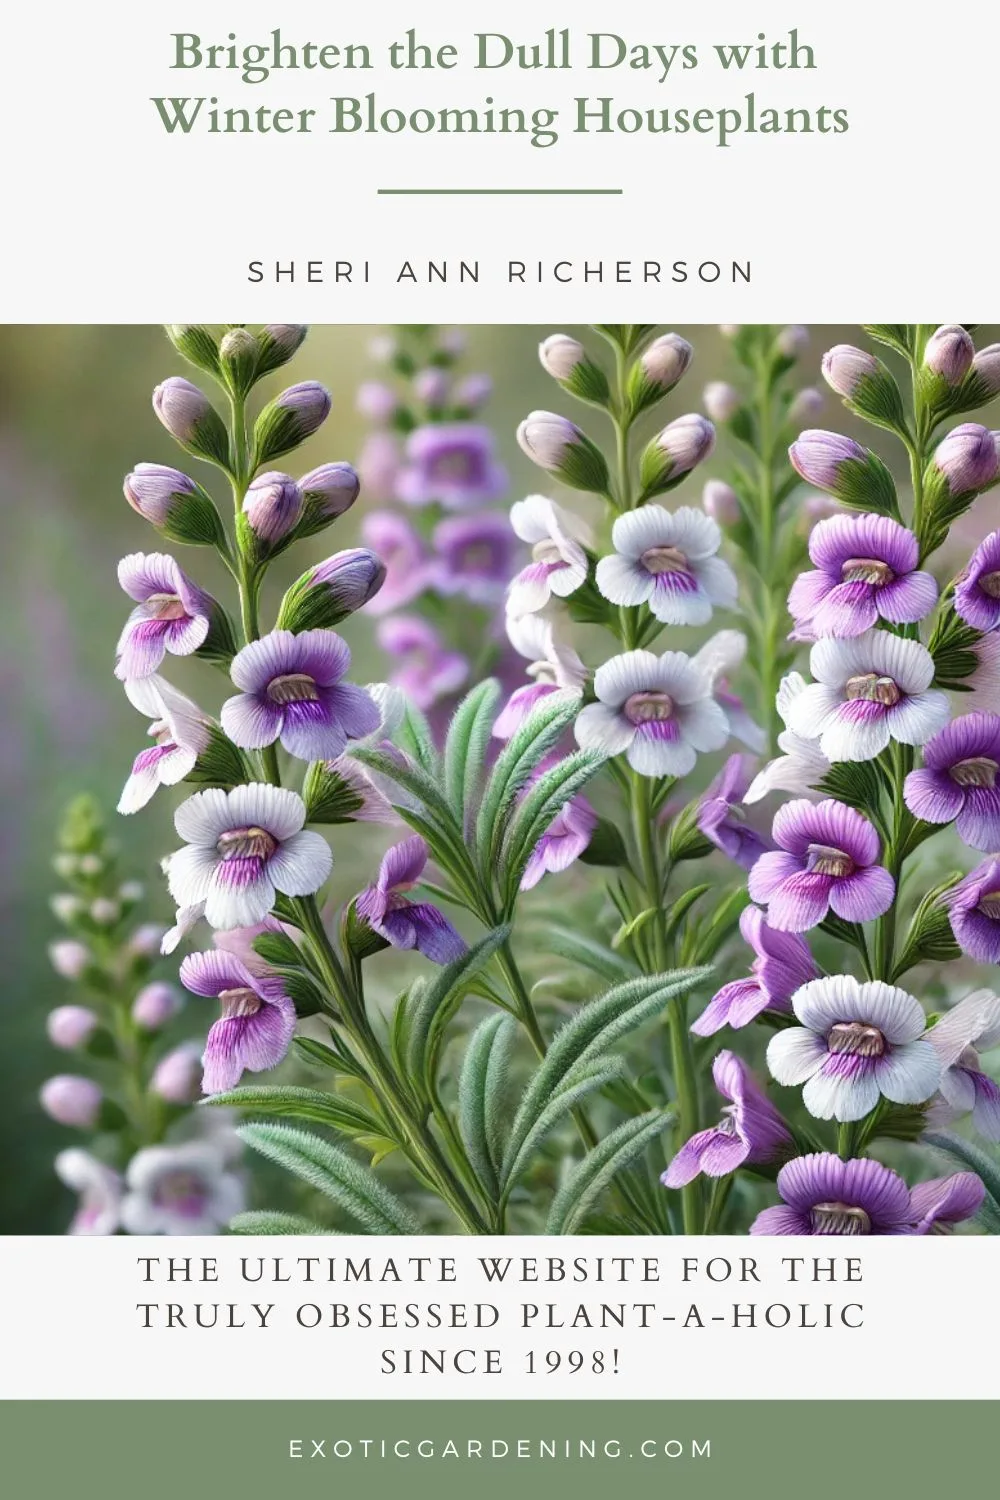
x=168 y=1450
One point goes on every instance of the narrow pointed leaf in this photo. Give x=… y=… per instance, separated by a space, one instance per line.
x=302 y=1104
x=264 y=1221
x=599 y=1167
x=324 y=1166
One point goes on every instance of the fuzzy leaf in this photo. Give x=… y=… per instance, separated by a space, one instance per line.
x=522 y=754
x=584 y=1079
x=536 y=813
x=355 y=1188
x=440 y=996
x=593 y=955
x=480 y=1096
x=466 y=746
x=301 y=1104
x=264 y=1221
x=606 y=847
x=319 y=1052
x=588 y=1180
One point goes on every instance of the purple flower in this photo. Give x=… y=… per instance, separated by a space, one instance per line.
x=475 y=557
x=554 y=666
x=984 y=682
x=868 y=691
x=292 y=691
x=473 y=392
x=806 y=404
x=69 y=958
x=950 y=352
x=844 y=367
x=717 y=660
x=305 y=408
x=865 y=569
x=376 y=401
x=430 y=670
x=403 y=923
x=827 y=856
x=655 y=710
x=71 y=1099
x=782 y=964
x=431 y=387
x=665 y=360
x=182 y=408
x=272 y=506
x=558 y=560
x=824 y=1195
x=171 y=614
x=154 y=491
x=452 y=464
x=331 y=489
x=407 y=570
x=986 y=369
x=751 y=1129
x=240 y=848
x=721 y=817
x=565 y=839
x=720 y=501
x=974 y=906
x=943 y=1202
x=977 y=591
x=802 y=765
x=684 y=442
x=180 y=732
x=156 y=1004
x=857 y=1043
x=71 y=1026
x=967 y=457
x=378 y=465
x=667 y=561
x=547 y=438
x=100 y=1190
x=958 y=1038
x=257 y=1023
x=817 y=456
x=959 y=780
x=177 y=1076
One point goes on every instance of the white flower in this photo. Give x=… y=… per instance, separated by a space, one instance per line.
x=668 y=562
x=552 y=660
x=970 y=1028
x=856 y=1043
x=180 y=1190
x=656 y=710
x=558 y=560
x=721 y=655
x=241 y=847
x=391 y=704
x=100 y=1190
x=868 y=691
x=180 y=732
x=803 y=765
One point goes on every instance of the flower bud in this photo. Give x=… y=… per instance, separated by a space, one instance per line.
x=191 y=419
x=966 y=457
x=558 y=445
x=131 y=892
x=145 y=940
x=806 y=404
x=66 y=906
x=665 y=361
x=105 y=912
x=276 y=343
x=831 y=461
x=156 y=1004
x=71 y=1100
x=792 y=341
x=949 y=353
x=238 y=356
x=844 y=367
x=326 y=492
x=721 y=400
x=986 y=370
x=195 y=343
x=69 y=958
x=289 y=419
x=472 y=393
x=376 y=401
x=332 y=590
x=177 y=1076
x=720 y=501
x=431 y=386
x=70 y=1026
x=272 y=506
x=559 y=355
x=174 y=504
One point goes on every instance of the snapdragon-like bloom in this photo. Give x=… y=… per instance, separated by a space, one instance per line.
x=668 y=561
x=868 y=691
x=98 y=1210
x=802 y=766
x=430 y=669
x=824 y=1195
x=721 y=655
x=554 y=666
x=180 y=733
x=655 y=710
x=866 y=569
x=566 y=837
x=404 y=923
x=451 y=463
x=958 y=1038
x=856 y=1044
x=292 y=690
x=183 y=1189
x=958 y=780
x=782 y=964
x=721 y=817
x=474 y=557
x=241 y=847
x=171 y=613
x=827 y=856
x=558 y=561
x=750 y=1130
x=257 y=1023
x=977 y=591
x=974 y=908
x=407 y=566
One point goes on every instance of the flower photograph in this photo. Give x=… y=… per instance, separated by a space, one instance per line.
x=501 y=780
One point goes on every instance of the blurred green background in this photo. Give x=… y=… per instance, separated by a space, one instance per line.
x=75 y=416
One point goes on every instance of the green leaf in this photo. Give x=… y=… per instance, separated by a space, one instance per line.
x=466 y=746
x=319 y=1052
x=536 y=812
x=480 y=1097
x=415 y=738
x=606 y=847
x=264 y=1221
x=302 y=1104
x=589 y=1179
x=522 y=754
x=355 y=1188
x=634 y=925
x=971 y=1158
x=583 y=1079
x=220 y=763
x=277 y=949
x=329 y=796
x=440 y=997
x=930 y=937
x=593 y=955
